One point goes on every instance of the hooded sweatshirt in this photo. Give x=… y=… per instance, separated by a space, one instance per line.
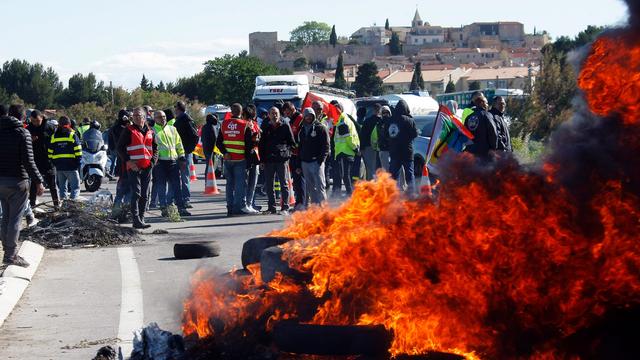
x=16 y=153
x=401 y=131
x=313 y=140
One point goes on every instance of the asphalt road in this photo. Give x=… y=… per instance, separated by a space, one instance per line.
x=82 y=299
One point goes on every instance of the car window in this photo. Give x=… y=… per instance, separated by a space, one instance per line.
x=425 y=124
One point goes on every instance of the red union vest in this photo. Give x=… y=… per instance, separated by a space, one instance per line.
x=140 y=148
x=233 y=137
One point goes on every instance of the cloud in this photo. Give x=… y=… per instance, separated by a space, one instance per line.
x=163 y=61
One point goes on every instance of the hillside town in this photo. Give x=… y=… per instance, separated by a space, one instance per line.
x=476 y=56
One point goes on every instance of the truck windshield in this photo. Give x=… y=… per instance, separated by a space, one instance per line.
x=265 y=105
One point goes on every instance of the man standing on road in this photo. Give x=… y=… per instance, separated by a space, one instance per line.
x=383 y=137
x=209 y=136
x=253 y=158
x=122 y=186
x=402 y=130
x=299 y=188
x=16 y=168
x=346 y=146
x=170 y=160
x=138 y=149
x=41 y=132
x=65 y=152
x=234 y=142
x=189 y=134
x=497 y=110
x=313 y=141
x=369 y=150
x=275 y=149
x=483 y=128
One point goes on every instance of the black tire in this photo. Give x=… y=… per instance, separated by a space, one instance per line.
x=252 y=248
x=340 y=340
x=93 y=183
x=196 y=250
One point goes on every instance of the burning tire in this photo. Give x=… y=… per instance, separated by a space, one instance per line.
x=252 y=248
x=196 y=250
x=331 y=339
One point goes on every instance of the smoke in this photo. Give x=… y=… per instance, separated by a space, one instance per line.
x=634 y=14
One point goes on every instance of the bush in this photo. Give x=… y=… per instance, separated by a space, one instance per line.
x=527 y=151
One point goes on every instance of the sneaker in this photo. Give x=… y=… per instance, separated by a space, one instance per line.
x=31 y=222
x=188 y=205
x=246 y=210
x=16 y=260
x=184 y=212
x=284 y=212
x=271 y=211
x=252 y=210
x=257 y=207
x=164 y=212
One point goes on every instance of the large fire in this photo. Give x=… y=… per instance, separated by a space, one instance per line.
x=506 y=263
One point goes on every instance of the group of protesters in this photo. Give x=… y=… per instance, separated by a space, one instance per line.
x=298 y=154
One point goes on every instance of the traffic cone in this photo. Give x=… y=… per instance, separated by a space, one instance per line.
x=292 y=196
x=210 y=184
x=425 y=183
x=192 y=171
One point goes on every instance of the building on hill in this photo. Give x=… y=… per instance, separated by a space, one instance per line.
x=373 y=35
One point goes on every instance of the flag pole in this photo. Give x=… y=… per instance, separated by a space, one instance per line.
x=435 y=123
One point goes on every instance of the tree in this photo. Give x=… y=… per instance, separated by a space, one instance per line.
x=367 y=81
x=231 y=78
x=300 y=63
x=333 y=38
x=31 y=82
x=144 y=83
x=340 y=82
x=474 y=85
x=395 y=47
x=311 y=33
x=451 y=87
x=417 y=82
x=82 y=89
x=386 y=25
x=161 y=86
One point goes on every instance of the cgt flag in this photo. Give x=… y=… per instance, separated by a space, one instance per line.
x=328 y=109
x=448 y=134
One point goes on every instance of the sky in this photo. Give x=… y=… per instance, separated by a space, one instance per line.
x=119 y=40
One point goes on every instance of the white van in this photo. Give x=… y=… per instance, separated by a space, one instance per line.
x=272 y=88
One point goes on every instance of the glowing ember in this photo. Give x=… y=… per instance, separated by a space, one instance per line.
x=507 y=264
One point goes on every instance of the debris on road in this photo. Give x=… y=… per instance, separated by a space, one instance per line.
x=196 y=250
x=154 y=343
x=79 y=224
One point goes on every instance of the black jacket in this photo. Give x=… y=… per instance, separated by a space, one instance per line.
x=209 y=135
x=504 y=139
x=368 y=125
x=16 y=152
x=313 y=142
x=401 y=131
x=41 y=135
x=125 y=140
x=483 y=128
x=114 y=135
x=187 y=131
x=383 y=133
x=66 y=147
x=276 y=143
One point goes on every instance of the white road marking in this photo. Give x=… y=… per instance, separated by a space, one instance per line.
x=131 y=311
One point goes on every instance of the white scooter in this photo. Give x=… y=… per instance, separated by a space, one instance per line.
x=94 y=159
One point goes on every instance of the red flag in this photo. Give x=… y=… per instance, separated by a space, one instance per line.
x=328 y=109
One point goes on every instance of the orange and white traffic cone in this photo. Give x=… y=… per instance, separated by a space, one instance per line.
x=292 y=196
x=210 y=184
x=425 y=183
x=192 y=171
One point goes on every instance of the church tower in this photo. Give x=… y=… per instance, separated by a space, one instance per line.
x=417 y=21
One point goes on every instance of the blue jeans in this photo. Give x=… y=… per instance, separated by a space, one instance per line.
x=409 y=176
x=252 y=182
x=236 y=175
x=185 y=179
x=167 y=172
x=72 y=178
x=114 y=159
x=123 y=195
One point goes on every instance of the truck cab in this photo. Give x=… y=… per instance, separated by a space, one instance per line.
x=272 y=88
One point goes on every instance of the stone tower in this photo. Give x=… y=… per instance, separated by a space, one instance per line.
x=417 y=21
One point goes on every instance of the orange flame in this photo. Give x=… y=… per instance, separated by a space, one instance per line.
x=611 y=78
x=492 y=263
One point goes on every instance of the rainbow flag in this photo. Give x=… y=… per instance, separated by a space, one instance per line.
x=449 y=133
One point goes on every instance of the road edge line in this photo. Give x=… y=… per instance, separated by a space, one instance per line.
x=131 y=305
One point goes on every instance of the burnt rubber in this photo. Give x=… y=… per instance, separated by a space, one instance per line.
x=289 y=336
x=196 y=250
x=252 y=248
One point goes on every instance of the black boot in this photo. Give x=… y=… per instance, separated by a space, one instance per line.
x=139 y=223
